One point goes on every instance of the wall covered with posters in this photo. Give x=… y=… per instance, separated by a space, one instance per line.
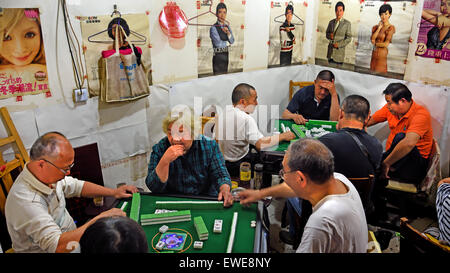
x=182 y=68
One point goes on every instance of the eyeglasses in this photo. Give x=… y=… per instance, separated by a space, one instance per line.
x=282 y=173
x=65 y=170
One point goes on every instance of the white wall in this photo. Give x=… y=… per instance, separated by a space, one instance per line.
x=125 y=132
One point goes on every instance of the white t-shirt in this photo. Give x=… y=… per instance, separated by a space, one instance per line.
x=337 y=224
x=36 y=215
x=235 y=130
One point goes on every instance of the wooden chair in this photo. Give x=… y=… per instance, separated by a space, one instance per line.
x=21 y=156
x=208 y=125
x=364 y=186
x=424 y=194
x=414 y=241
x=299 y=84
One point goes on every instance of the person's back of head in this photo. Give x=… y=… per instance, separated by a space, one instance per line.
x=398 y=91
x=325 y=75
x=356 y=107
x=312 y=158
x=241 y=91
x=114 y=235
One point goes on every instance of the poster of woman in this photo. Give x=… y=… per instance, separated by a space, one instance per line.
x=220 y=29
x=98 y=34
x=337 y=33
x=23 y=68
x=433 y=40
x=286 y=33
x=383 y=37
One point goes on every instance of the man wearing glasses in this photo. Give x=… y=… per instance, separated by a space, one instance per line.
x=338 y=223
x=36 y=213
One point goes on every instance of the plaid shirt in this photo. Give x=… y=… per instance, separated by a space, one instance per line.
x=200 y=171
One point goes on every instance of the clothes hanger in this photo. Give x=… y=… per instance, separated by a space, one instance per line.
x=293 y=14
x=139 y=38
x=204 y=13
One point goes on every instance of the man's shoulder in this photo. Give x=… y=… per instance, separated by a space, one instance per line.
x=305 y=92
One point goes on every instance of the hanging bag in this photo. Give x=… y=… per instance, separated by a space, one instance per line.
x=122 y=78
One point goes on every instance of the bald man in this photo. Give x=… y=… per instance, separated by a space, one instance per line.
x=36 y=213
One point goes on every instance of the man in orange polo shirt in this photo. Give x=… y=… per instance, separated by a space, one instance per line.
x=409 y=144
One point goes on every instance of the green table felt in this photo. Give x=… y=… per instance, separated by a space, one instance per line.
x=217 y=242
x=283 y=146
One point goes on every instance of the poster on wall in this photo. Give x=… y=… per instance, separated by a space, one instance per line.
x=383 y=37
x=98 y=34
x=337 y=33
x=433 y=40
x=286 y=32
x=220 y=29
x=23 y=68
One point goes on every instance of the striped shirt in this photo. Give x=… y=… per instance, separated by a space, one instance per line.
x=443 y=211
x=200 y=171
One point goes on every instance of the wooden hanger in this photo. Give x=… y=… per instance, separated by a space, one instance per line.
x=205 y=13
x=139 y=38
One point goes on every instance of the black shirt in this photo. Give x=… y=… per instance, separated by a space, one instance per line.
x=348 y=158
x=303 y=103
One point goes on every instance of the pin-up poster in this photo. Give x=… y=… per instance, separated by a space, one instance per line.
x=434 y=33
x=286 y=32
x=337 y=33
x=23 y=68
x=384 y=37
x=99 y=34
x=220 y=28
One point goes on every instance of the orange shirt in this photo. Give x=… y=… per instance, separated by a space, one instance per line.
x=417 y=120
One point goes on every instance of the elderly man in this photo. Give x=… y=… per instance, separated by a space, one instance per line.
x=409 y=143
x=188 y=162
x=350 y=159
x=36 y=213
x=338 y=223
x=318 y=101
x=236 y=129
x=339 y=34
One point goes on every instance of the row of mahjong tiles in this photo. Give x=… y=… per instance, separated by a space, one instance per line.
x=184 y=215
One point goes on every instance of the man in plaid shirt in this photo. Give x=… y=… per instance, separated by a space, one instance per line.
x=187 y=162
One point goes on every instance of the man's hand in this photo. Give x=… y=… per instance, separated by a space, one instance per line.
x=125 y=191
x=328 y=85
x=249 y=196
x=172 y=153
x=299 y=119
x=287 y=136
x=385 y=170
x=225 y=195
x=335 y=45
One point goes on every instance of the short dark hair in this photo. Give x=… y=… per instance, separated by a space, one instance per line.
x=384 y=8
x=221 y=6
x=118 y=21
x=289 y=7
x=117 y=234
x=241 y=91
x=356 y=106
x=397 y=91
x=326 y=75
x=339 y=4
x=313 y=158
x=46 y=145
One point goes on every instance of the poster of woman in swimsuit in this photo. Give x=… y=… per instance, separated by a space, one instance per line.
x=433 y=40
x=383 y=37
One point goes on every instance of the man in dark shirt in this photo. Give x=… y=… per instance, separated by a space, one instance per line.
x=317 y=101
x=348 y=157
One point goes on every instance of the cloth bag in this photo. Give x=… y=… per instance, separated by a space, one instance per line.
x=122 y=79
